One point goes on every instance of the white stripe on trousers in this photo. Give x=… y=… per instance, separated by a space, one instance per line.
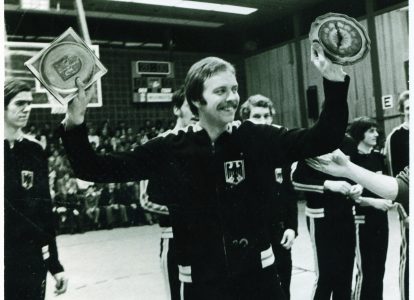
x=315 y=254
x=182 y=290
x=403 y=258
x=358 y=263
x=164 y=265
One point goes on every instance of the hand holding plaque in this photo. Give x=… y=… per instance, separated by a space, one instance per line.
x=65 y=59
x=343 y=39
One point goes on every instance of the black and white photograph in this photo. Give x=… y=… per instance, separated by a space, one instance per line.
x=206 y=150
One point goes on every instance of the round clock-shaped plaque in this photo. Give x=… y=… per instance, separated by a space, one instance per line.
x=63 y=63
x=344 y=40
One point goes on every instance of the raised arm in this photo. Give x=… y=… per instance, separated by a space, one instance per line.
x=306 y=179
x=89 y=166
x=328 y=132
x=387 y=187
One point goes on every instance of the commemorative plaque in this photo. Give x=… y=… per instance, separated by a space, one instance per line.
x=344 y=40
x=65 y=59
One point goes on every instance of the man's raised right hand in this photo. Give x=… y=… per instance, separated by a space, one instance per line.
x=75 y=114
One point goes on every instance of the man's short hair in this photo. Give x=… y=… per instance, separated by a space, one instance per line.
x=404 y=96
x=198 y=74
x=12 y=87
x=178 y=98
x=359 y=126
x=255 y=101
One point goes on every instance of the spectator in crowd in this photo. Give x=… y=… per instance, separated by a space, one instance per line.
x=70 y=207
x=91 y=205
x=106 y=202
x=129 y=200
x=397 y=144
x=119 y=206
x=93 y=137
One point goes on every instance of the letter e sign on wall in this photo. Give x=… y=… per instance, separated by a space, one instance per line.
x=387 y=102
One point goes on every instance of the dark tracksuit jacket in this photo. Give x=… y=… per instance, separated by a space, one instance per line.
x=398 y=150
x=153 y=193
x=331 y=227
x=372 y=236
x=220 y=192
x=29 y=232
x=286 y=217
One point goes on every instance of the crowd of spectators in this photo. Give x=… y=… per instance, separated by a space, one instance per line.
x=81 y=206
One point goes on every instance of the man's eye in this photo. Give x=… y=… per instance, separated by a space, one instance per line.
x=256 y=117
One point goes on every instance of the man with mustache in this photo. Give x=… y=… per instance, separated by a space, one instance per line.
x=29 y=235
x=218 y=176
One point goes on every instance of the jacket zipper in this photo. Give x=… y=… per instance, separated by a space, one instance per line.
x=221 y=218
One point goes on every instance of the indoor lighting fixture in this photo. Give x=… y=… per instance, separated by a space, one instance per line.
x=35 y=4
x=232 y=9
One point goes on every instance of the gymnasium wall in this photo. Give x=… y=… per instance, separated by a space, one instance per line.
x=269 y=73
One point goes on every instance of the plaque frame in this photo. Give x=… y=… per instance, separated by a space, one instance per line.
x=63 y=97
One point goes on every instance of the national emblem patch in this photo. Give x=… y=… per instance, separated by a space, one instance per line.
x=27 y=179
x=234 y=171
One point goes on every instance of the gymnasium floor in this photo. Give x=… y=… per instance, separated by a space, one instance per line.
x=123 y=264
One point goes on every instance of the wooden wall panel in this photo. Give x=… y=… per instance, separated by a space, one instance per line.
x=273 y=74
x=392 y=38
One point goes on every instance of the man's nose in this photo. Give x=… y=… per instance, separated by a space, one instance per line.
x=232 y=96
x=27 y=107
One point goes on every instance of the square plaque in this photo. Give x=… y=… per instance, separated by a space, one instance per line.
x=59 y=64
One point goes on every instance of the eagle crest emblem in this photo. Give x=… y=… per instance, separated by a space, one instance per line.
x=234 y=171
x=27 y=179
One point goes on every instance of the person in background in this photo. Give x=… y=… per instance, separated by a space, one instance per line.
x=284 y=225
x=119 y=204
x=151 y=193
x=397 y=143
x=330 y=218
x=106 y=202
x=387 y=187
x=30 y=249
x=91 y=205
x=70 y=206
x=371 y=218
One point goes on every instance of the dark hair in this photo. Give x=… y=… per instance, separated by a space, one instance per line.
x=178 y=98
x=359 y=126
x=255 y=101
x=404 y=96
x=12 y=87
x=198 y=74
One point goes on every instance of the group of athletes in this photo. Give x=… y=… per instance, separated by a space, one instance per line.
x=224 y=188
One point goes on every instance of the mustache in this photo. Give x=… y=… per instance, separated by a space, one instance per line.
x=227 y=104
